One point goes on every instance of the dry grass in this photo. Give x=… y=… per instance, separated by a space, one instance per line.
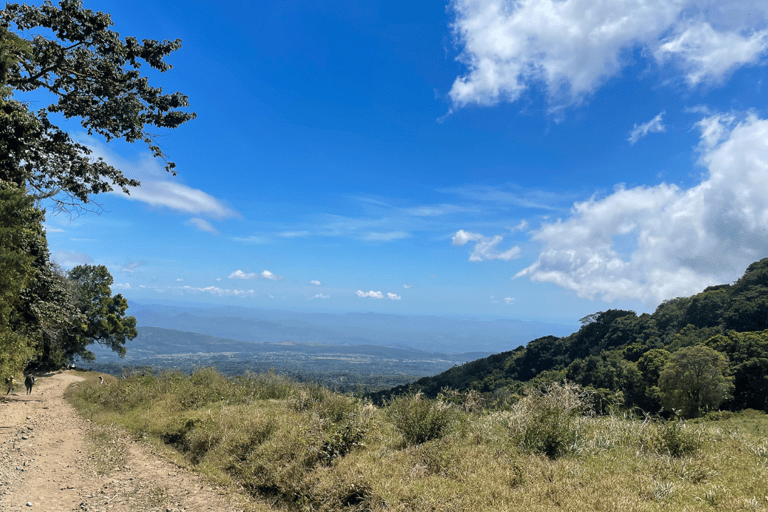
x=308 y=449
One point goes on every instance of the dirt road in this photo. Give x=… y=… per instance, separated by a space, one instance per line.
x=51 y=459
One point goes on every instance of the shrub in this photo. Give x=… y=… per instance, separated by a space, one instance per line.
x=674 y=438
x=548 y=421
x=419 y=419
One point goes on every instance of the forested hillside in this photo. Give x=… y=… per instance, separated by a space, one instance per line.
x=693 y=353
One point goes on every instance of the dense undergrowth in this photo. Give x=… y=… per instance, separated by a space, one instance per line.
x=301 y=447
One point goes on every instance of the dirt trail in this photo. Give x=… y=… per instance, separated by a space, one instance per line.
x=51 y=459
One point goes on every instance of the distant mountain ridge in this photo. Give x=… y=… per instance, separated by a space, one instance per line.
x=426 y=333
x=158 y=341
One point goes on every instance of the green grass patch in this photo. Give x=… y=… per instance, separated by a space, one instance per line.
x=304 y=448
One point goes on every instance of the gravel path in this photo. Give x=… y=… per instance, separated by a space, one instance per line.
x=51 y=459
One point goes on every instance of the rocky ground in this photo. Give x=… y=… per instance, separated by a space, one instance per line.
x=51 y=459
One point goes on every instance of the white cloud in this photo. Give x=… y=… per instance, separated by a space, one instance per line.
x=392 y=296
x=179 y=280
x=315 y=282
x=131 y=266
x=294 y=234
x=509 y=300
x=49 y=229
x=708 y=55
x=572 y=47
x=239 y=274
x=656 y=243
x=214 y=290
x=655 y=125
x=121 y=286
x=72 y=259
x=269 y=275
x=321 y=296
x=371 y=294
x=181 y=198
x=254 y=239
x=385 y=237
x=485 y=247
x=157 y=188
x=406 y=286
x=202 y=225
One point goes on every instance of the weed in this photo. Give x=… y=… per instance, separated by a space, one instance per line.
x=419 y=419
x=548 y=421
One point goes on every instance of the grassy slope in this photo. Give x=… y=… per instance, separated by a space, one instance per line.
x=304 y=448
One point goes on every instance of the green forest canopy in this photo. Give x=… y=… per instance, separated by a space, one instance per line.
x=622 y=356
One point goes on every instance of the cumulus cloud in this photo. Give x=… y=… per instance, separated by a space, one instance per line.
x=121 y=286
x=377 y=295
x=315 y=282
x=239 y=274
x=485 y=247
x=269 y=275
x=72 y=259
x=509 y=300
x=202 y=225
x=655 y=125
x=572 y=47
x=371 y=294
x=660 y=242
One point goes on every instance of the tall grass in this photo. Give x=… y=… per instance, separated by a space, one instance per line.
x=301 y=447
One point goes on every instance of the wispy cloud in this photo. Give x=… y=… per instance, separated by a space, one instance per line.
x=655 y=243
x=655 y=125
x=321 y=296
x=573 y=47
x=485 y=247
x=202 y=225
x=385 y=237
x=157 y=188
x=214 y=290
x=253 y=239
x=131 y=266
x=294 y=234
x=72 y=259
x=121 y=286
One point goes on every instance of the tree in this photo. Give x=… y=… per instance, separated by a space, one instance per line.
x=695 y=379
x=101 y=316
x=93 y=76
x=17 y=248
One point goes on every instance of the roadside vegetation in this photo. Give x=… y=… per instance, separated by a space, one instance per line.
x=301 y=447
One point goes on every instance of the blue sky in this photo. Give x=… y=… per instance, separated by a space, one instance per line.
x=534 y=159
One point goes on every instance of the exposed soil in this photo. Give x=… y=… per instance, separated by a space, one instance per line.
x=52 y=459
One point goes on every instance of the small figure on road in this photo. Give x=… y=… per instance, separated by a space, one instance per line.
x=11 y=383
x=29 y=382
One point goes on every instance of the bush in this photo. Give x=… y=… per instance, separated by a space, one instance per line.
x=419 y=419
x=548 y=421
x=675 y=438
